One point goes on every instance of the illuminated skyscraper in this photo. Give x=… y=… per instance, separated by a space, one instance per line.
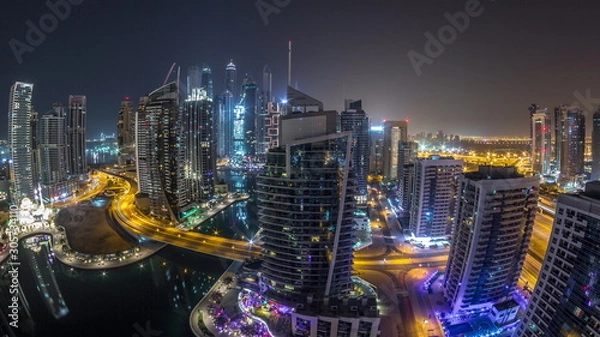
x=249 y=101
x=394 y=132
x=224 y=128
x=53 y=148
x=265 y=114
x=407 y=154
x=76 y=123
x=231 y=79
x=20 y=140
x=541 y=139
x=436 y=183
x=200 y=147
x=354 y=119
x=492 y=230
x=206 y=81
x=193 y=79
x=566 y=298
x=126 y=132
x=376 y=149
x=570 y=142
x=596 y=146
x=306 y=207
x=159 y=153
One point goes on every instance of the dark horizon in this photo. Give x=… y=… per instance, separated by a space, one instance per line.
x=510 y=54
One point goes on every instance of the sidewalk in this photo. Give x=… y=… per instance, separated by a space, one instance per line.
x=228 y=301
x=75 y=259
x=215 y=210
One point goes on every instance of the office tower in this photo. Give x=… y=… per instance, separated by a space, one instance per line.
x=126 y=132
x=159 y=155
x=394 y=132
x=249 y=101
x=224 y=130
x=76 y=120
x=566 y=299
x=193 y=79
x=306 y=205
x=206 y=81
x=231 y=79
x=596 y=146
x=376 y=145
x=20 y=140
x=493 y=226
x=200 y=148
x=407 y=154
x=435 y=197
x=541 y=139
x=354 y=119
x=571 y=144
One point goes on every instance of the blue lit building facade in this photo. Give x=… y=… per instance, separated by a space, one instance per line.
x=494 y=221
x=566 y=299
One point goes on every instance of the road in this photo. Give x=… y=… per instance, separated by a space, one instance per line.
x=123 y=209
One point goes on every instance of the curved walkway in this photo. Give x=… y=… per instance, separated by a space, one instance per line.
x=63 y=252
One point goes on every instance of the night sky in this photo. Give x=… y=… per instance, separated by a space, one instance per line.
x=513 y=54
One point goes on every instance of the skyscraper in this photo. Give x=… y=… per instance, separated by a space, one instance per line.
x=159 y=153
x=224 y=129
x=52 y=149
x=394 y=132
x=264 y=114
x=435 y=196
x=570 y=143
x=206 y=81
x=250 y=103
x=20 y=140
x=566 y=299
x=376 y=145
x=126 y=132
x=541 y=139
x=267 y=89
x=596 y=146
x=493 y=226
x=76 y=121
x=200 y=148
x=193 y=79
x=231 y=79
x=407 y=154
x=306 y=206
x=354 y=119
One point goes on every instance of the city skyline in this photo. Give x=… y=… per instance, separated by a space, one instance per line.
x=469 y=77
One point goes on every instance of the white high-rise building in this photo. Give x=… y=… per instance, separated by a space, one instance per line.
x=493 y=227
x=435 y=196
x=566 y=299
x=20 y=140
